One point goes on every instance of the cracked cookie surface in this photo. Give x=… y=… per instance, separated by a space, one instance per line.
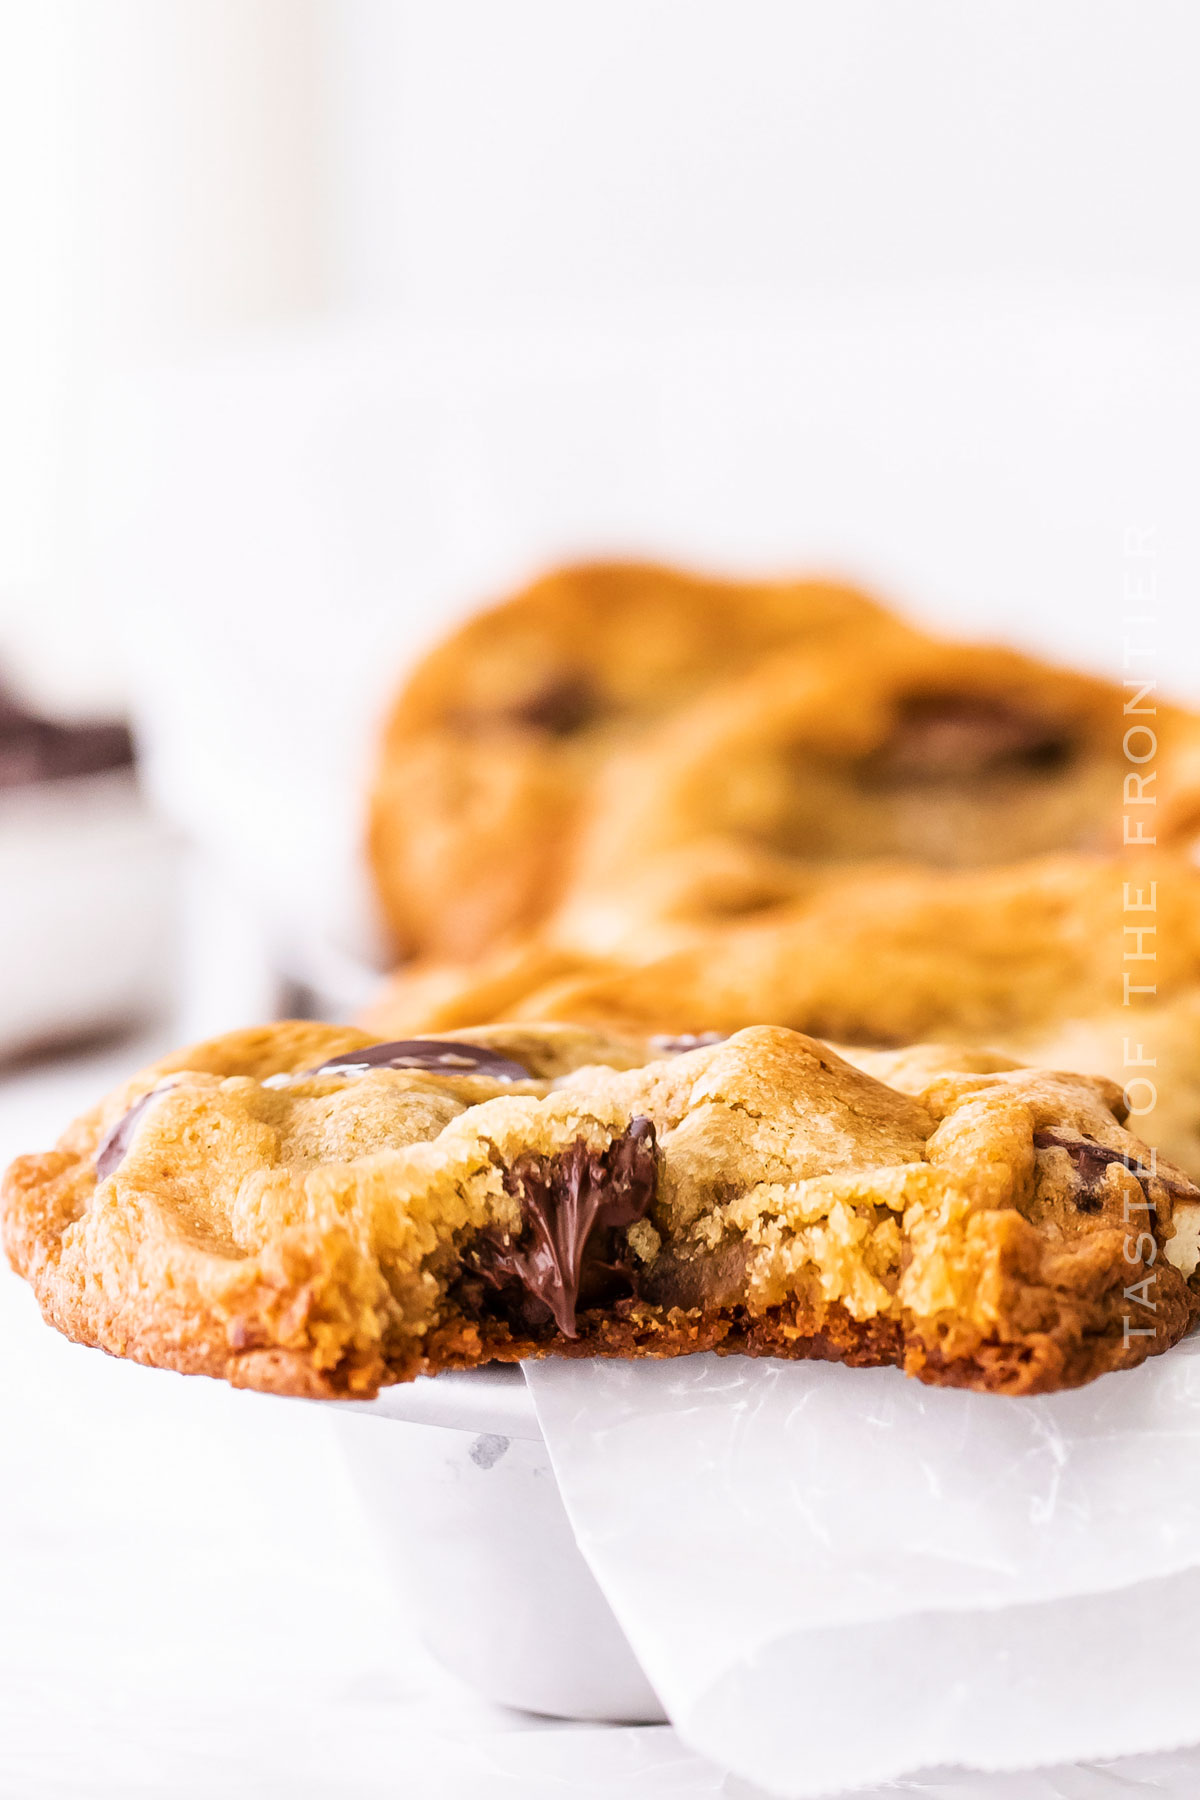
x=302 y=1211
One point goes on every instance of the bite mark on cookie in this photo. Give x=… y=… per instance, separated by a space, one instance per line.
x=1182 y=1250
x=348 y=1233
x=572 y=1249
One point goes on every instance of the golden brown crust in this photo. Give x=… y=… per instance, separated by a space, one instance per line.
x=491 y=748
x=983 y=1226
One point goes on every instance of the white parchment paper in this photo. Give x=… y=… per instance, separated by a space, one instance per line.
x=835 y=1576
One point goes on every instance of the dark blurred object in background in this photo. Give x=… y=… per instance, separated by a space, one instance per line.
x=87 y=886
x=36 y=749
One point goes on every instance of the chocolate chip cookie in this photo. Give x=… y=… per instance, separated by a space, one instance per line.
x=301 y=1210
x=491 y=748
x=893 y=748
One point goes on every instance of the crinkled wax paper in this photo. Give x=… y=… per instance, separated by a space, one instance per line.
x=833 y=1576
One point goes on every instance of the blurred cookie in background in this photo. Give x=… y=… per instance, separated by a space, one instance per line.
x=793 y=809
x=896 y=747
x=491 y=749
x=1040 y=960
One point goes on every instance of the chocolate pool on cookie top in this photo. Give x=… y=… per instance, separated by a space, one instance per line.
x=436 y=1056
x=690 y=1040
x=114 y=1145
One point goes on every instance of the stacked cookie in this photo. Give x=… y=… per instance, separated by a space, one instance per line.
x=494 y=750
x=842 y=825
x=647 y=844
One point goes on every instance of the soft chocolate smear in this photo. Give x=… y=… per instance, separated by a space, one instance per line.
x=1092 y=1159
x=435 y=1056
x=571 y=1251
x=960 y=737
x=34 y=749
x=114 y=1146
x=689 y=1040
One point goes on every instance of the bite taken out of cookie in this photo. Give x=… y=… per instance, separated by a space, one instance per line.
x=298 y=1209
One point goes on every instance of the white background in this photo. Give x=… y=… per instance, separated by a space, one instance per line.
x=175 y=173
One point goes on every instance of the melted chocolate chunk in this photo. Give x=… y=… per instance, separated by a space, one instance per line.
x=436 y=1056
x=34 y=749
x=957 y=737
x=114 y=1146
x=571 y=1251
x=562 y=708
x=1092 y=1160
x=697 y=1040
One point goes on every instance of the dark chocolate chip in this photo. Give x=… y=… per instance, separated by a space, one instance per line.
x=561 y=709
x=955 y=737
x=1093 y=1159
x=679 y=1046
x=435 y=1056
x=693 y=1278
x=114 y=1146
x=571 y=1251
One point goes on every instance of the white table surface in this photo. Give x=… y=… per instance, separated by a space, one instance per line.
x=190 y=1602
